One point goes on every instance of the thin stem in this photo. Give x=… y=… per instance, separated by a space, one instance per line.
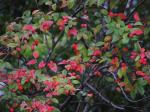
x=138 y=5
x=103 y=98
x=46 y=41
x=123 y=92
x=86 y=109
x=54 y=43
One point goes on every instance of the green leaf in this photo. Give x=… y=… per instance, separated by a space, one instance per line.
x=133 y=93
x=23 y=80
x=42 y=49
x=142 y=82
x=27 y=20
x=13 y=86
x=54 y=6
x=141 y=90
x=12 y=45
x=91 y=2
x=100 y=2
x=136 y=47
x=85 y=59
x=55 y=100
x=27 y=13
x=138 y=24
x=137 y=58
x=72 y=77
x=99 y=43
x=90 y=52
x=27 y=52
x=125 y=40
x=81 y=46
x=75 y=82
x=109 y=79
x=70 y=3
x=17 y=27
x=115 y=38
x=56 y=110
x=104 y=11
x=61 y=91
x=5 y=64
x=64 y=72
x=120 y=73
x=48 y=3
x=55 y=16
x=68 y=87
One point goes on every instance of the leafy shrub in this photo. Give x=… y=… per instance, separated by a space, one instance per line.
x=76 y=52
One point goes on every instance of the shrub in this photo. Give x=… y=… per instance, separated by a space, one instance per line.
x=78 y=52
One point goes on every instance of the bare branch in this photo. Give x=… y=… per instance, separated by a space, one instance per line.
x=123 y=92
x=103 y=98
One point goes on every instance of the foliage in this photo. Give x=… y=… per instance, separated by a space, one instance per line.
x=79 y=52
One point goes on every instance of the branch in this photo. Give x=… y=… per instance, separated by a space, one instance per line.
x=46 y=41
x=138 y=5
x=77 y=11
x=62 y=106
x=86 y=109
x=103 y=98
x=54 y=43
x=123 y=92
x=79 y=105
x=79 y=8
x=84 y=43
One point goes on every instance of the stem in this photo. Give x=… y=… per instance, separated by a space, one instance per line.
x=86 y=109
x=123 y=92
x=138 y=5
x=54 y=43
x=81 y=86
x=46 y=41
x=103 y=98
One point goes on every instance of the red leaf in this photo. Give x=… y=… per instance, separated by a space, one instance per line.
x=140 y=73
x=35 y=54
x=72 y=32
x=63 y=62
x=32 y=62
x=97 y=52
x=129 y=26
x=136 y=32
x=29 y=28
x=75 y=48
x=83 y=25
x=122 y=16
x=136 y=16
x=45 y=26
x=52 y=66
x=147 y=54
x=41 y=64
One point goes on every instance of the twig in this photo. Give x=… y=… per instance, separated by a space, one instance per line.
x=79 y=8
x=79 y=105
x=86 y=108
x=123 y=92
x=46 y=41
x=54 y=43
x=103 y=98
x=138 y=5
x=77 y=11
x=68 y=99
x=84 y=43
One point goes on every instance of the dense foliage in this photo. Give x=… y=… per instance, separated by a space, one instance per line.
x=77 y=56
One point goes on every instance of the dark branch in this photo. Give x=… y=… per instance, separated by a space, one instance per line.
x=125 y=95
x=103 y=98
